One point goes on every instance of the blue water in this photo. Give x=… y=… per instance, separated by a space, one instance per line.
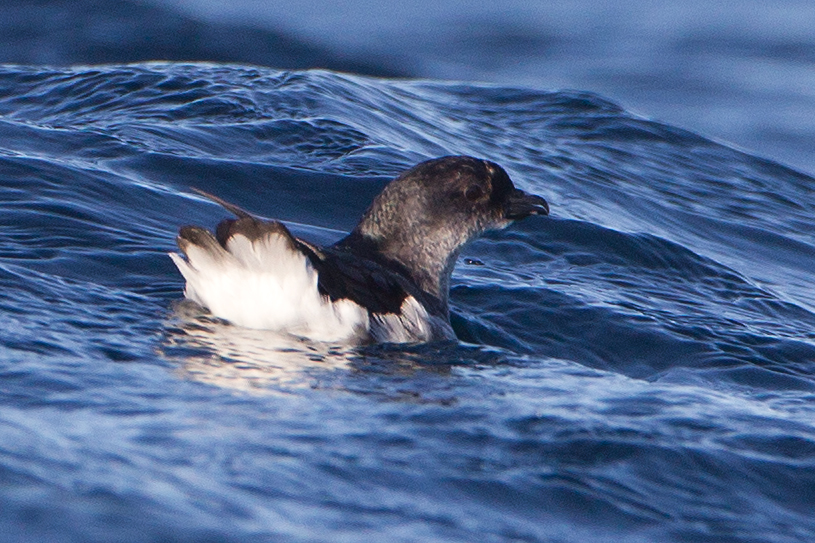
x=639 y=366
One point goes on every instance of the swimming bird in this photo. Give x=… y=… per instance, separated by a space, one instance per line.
x=386 y=281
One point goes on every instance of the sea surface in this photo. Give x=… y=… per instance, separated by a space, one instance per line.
x=639 y=366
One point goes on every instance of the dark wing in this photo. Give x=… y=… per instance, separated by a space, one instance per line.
x=246 y=224
x=254 y=229
x=195 y=236
x=344 y=275
x=232 y=208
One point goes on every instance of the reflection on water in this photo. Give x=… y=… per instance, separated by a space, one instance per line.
x=209 y=350
x=257 y=361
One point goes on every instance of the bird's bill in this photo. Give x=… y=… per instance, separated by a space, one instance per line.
x=520 y=205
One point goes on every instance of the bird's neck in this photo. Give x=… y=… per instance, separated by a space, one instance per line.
x=428 y=266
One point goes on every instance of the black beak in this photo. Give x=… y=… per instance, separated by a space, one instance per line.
x=520 y=205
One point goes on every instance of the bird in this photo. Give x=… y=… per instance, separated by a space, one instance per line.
x=387 y=281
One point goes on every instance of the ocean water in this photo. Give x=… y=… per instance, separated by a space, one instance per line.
x=638 y=366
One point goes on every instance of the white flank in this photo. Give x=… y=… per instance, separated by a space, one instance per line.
x=266 y=285
x=412 y=324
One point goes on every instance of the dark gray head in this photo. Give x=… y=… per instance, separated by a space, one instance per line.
x=422 y=218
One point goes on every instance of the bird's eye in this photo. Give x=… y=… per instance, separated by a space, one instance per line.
x=474 y=193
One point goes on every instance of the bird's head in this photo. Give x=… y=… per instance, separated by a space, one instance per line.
x=447 y=202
